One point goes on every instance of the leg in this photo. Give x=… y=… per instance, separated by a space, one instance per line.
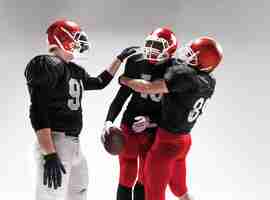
x=128 y=165
x=160 y=161
x=146 y=141
x=78 y=181
x=177 y=183
x=65 y=151
x=138 y=191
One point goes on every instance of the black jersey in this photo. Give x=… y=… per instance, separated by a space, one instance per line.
x=189 y=92
x=139 y=104
x=56 y=88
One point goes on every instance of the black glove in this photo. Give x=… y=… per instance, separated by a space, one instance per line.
x=127 y=52
x=53 y=169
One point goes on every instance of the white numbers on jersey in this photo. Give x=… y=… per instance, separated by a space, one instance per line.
x=153 y=97
x=198 y=108
x=75 y=92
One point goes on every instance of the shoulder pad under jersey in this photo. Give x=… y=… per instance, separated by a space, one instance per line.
x=43 y=70
x=180 y=68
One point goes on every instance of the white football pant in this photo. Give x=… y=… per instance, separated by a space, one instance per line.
x=75 y=181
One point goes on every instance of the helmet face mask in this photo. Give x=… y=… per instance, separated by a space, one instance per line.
x=81 y=42
x=188 y=55
x=155 y=50
x=159 y=45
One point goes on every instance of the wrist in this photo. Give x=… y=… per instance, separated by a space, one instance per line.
x=50 y=156
x=119 y=58
x=108 y=124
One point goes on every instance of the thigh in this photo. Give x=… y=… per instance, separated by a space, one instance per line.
x=78 y=180
x=157 y=173
x=42 y=191
x=128 y=159
x=146 y=141
x=160 y=160
x=132 y=143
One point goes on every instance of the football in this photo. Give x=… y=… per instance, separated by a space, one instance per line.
x=113 y=141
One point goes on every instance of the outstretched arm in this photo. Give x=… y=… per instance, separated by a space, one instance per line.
x=143 y=86
x=178 y=78
x=103 y=79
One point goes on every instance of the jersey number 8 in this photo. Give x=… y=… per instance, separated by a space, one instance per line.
x=198 y=108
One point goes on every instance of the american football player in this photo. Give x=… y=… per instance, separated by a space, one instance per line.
x=187 y=88
x=143 y=110
x=56 y=86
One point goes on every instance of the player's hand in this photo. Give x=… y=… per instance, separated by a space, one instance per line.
x=107 y=126
x=127 y=52
x=53 y=169
x=142 y=123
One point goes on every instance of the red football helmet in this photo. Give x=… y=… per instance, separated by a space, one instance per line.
x=204 y=53
x=68 y=36
x=160 y=45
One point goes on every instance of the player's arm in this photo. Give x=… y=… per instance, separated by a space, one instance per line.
x=103 y=79
x=176 y=79
x=117 y=104
x=41 y=78
x=143 y=86
x=39 y=83
x=121 y=96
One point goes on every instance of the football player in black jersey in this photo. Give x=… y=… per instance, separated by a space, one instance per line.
x=56 y=86
x=138 y=130
x=186 y=89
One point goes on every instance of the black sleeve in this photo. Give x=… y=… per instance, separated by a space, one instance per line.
x=41 y=76
x=130 y=69
x=118 y=102
x=97 y=83
x=179 y=79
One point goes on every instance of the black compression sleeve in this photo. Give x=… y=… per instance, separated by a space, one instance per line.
x=99 y=82
x=118 y=102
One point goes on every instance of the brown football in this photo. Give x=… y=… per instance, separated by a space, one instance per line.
x=114 y=141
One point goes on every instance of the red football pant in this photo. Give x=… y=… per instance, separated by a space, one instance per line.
x=165 y=164
x=137 y=146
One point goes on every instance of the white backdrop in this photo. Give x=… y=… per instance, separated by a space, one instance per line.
x=229 y=157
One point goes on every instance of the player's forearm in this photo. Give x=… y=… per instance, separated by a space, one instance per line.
x=143 y=86
x=118 y=103
x=113 y=68
x=45 y=141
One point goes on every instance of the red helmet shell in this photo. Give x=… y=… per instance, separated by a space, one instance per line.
x=208 y=53
x=61 y=34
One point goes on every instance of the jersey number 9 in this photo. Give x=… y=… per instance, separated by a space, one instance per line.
x=74 y=92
